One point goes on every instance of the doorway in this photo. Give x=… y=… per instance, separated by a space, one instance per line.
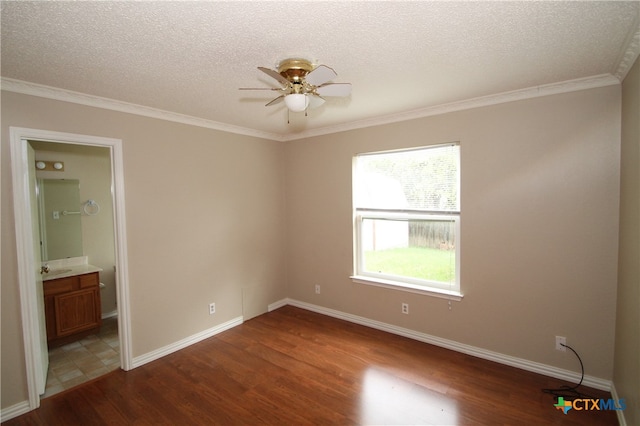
x=75 y=212
x=23 y=169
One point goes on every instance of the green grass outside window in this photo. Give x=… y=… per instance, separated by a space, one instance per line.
x=415 y=262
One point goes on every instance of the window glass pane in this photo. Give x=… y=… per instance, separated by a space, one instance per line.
x=425 y=179
x=418 y=249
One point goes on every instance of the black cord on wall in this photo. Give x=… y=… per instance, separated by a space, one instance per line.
x=569 y=393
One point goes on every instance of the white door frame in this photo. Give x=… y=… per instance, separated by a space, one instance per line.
x=24 y=244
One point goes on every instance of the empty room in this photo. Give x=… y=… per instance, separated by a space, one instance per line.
x=320 y=212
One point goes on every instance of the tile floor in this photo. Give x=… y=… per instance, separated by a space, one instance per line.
x=86 y=359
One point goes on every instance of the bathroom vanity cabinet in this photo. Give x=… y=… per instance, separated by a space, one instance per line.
x=72 y=307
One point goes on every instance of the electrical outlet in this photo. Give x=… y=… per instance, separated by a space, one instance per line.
x=317 y=288
x=405 y=308
x=560 y=340
x=212 y=308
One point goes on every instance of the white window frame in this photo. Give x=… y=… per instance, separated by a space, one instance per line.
x=449 y=291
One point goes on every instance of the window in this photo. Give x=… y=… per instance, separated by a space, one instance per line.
x=407 y=219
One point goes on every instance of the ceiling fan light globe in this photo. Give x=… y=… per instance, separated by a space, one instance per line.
x=296 y=102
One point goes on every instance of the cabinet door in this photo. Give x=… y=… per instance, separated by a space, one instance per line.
x=77 y=311
x=50 y=314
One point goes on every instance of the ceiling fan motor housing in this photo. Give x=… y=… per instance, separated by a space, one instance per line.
x=295 y=69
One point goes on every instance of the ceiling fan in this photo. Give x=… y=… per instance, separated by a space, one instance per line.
x=303 y=85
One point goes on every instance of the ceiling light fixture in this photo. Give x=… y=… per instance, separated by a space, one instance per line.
x=296 y=102
x=50 y=166
x=302 y=84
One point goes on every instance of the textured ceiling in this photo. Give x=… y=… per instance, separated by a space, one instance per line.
x=191 y=57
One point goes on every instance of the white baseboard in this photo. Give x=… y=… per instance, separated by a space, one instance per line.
x=14 y=411
x=278 y=304
x=524 y=364
x=620 y=413
x=111 y=314
x=181 y=344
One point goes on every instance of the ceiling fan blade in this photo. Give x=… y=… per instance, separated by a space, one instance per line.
x=276 y=100
x=274 y=74
x=320 y=75
x=315 y=101
x=334 y=89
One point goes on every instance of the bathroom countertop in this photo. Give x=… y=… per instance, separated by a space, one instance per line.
x=70 y=271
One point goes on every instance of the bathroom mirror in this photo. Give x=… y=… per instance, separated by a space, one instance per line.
x=59 y=212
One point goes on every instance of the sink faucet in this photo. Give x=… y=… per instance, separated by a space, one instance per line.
x=44 y=269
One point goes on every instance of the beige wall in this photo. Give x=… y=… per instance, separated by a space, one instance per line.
x=92 y=167
x=539 y=227
x=205 y=220
x=626 y=376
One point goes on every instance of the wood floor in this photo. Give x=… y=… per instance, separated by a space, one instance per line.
x=294 y=367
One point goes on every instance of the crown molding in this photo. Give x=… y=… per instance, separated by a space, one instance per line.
x=499 y=98
x=39 y=90
x=630 y=51
x=34 y=89
x=629 y=56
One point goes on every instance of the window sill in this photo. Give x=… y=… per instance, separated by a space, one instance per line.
x=396 y=285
